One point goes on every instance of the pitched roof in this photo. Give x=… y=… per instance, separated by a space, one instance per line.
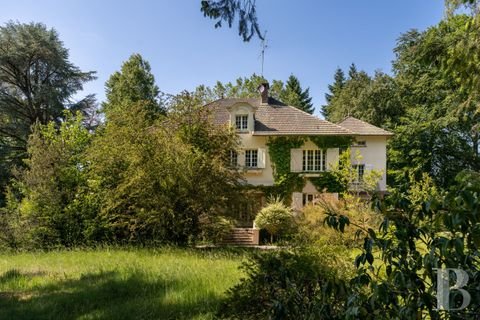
x=276 y=118
x=362 y=128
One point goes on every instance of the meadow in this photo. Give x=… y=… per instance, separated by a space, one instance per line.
x=117 y=283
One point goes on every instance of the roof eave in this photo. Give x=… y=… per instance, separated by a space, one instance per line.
x=388 y=134
x=269 y=133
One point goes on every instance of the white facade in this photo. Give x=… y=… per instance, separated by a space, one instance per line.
x=369 y=152
x=373 y=155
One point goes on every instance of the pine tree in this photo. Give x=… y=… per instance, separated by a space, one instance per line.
x=352 y=71
x=293 y=95
x=335 y=89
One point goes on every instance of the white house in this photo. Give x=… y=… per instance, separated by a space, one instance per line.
x=259 y=120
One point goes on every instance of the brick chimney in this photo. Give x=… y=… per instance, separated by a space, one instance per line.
x=263 y=89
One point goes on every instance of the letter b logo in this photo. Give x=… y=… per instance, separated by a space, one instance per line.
x=443 y=288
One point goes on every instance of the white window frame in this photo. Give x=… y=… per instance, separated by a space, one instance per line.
x=241 y=122
x=251 y=158
x=308 y=198
x=360 y=143
x=314 y=160
x=360 y=169
x=233 y=159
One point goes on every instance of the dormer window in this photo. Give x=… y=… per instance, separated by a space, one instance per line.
x=241 y=122
x=242 y=117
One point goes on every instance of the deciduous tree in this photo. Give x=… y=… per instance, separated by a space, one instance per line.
x=243 y=87
x=44 y=209
x=157 y=174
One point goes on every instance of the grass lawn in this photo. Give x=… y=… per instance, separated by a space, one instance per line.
x=132 y=283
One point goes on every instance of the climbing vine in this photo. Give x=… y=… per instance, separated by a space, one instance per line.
x=286 y=181
x=325 y=142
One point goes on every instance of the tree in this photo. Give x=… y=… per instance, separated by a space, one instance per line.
x=227 y=10
x=157 y=179
x=352 y=71
x=247 y=87
x=432 y=114
x=133 y=83
x=380 y=103
x=158 y=175
x=191 y=122
x=295 y=96
x=347 y=101
x=432 y=111
x=423 y=231
x=44 y=209
x=276 y=218
x=463 y=57
x=37 y=83
x=438 y=133
x=335 y=89
x=242 y=87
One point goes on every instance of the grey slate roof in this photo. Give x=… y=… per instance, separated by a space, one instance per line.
x=362 y=128
x=276 y=118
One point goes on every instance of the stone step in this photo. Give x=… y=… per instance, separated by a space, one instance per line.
x=238 y=243
x=233 y=236
x=240 y=236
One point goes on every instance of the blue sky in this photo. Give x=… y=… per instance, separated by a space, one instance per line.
x=309 y=38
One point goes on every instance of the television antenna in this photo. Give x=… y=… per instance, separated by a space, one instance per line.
x=264 y=46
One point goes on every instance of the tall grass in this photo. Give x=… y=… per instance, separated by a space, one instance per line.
x=116 y=283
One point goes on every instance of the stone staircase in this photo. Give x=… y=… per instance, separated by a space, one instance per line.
x=242 y=237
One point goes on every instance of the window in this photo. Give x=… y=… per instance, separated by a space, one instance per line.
x=251 y=158
x=360 y=143
x=241 y=122
x=308 y=198
x=314 y=160
x=360 y=168
x=233 y=158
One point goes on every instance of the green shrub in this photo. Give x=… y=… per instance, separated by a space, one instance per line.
x=312 y=226
x=43 y=195
x=214 y=228
x=303 y=284
x=276 y=218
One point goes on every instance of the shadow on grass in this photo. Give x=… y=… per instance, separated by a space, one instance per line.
x=226 y=251
x=103 y=295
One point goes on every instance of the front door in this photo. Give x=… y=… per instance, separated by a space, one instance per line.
x=245 y=212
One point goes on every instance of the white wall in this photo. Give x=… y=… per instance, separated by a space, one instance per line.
x=373 y=156
x=265 y=176
x=261 y=176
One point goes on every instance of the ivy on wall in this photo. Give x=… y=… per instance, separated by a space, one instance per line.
x=326 y=142
x=286 y=181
